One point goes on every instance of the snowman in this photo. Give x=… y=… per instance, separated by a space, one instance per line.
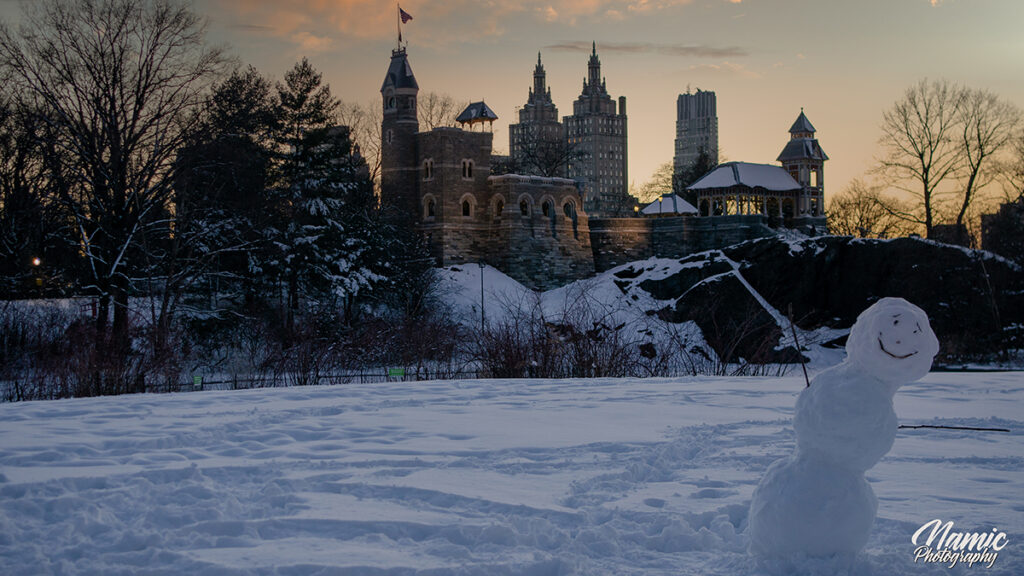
x=817 y=502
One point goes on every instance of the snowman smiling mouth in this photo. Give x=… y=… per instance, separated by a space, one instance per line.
x=896 y=356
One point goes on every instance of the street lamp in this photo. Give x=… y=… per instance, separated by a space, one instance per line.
x=36 y=262
x=481 y=264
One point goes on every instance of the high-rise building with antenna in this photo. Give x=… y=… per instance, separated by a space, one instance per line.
x=696 y=129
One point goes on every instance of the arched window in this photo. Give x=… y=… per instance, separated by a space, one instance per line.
x=428 y=169
x=499 y=207
x=547 y=208
x=788 y=210
x=467 y=169
x=469 y=208
x=389 y=136
x=569 y=209
x=429 y=207
x=524 y=207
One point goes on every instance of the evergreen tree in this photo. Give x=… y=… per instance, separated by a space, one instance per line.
x=323 y=249
x=221 y=202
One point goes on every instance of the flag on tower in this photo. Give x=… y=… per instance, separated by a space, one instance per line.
x=405 y=16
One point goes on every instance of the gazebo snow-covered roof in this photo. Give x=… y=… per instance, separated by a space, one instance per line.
x=476 y=113
x=766 y=176
x=669 y=204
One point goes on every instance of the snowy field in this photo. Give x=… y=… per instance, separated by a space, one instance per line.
x=484 y=477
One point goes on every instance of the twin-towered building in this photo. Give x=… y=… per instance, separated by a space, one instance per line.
x=567 y=213
x=590 y=146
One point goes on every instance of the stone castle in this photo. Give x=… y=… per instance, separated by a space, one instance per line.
x=540 y=229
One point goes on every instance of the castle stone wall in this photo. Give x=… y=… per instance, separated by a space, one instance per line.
x=616 y=241
x=542 y=251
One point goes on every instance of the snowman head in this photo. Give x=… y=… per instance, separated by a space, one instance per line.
x=892 y=341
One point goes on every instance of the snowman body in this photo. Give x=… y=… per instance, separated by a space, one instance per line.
x=817 y=501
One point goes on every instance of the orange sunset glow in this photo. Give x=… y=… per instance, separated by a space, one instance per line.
x=843 y=62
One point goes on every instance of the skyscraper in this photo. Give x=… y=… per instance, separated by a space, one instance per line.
x=696 y=129
x=537 y=143
x=597 y=132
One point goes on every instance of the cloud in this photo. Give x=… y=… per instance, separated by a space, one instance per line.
x=319 y=24
x=726 y=68
x=695 y=51
x=311 y=42
x=258 y=28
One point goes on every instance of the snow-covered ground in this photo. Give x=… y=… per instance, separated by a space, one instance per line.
x=474 y=477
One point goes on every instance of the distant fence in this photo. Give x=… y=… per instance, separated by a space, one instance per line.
x=11 y=392
x=284 y=381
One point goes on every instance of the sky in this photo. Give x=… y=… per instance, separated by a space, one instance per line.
x=843 y=61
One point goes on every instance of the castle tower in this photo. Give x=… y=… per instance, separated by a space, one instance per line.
x=596 y=132
x=804 y=159
x=536 y=144
x=399 y=161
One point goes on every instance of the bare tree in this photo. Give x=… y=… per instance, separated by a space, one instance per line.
x=987 y=127
x=364 y=120
x=920 y=148
x=118 y=82
x=1011 y=168
x=659 y=184
x=25 y=230
x=861 y=210
x=538 y=151
x=437 y=110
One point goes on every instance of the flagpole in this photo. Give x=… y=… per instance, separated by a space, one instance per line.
x=398 y=23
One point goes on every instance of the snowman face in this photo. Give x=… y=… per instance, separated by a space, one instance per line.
x=899 y=336
x=893 y=341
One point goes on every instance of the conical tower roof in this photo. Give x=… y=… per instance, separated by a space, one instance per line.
x=802 y=124
x=399 y=73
